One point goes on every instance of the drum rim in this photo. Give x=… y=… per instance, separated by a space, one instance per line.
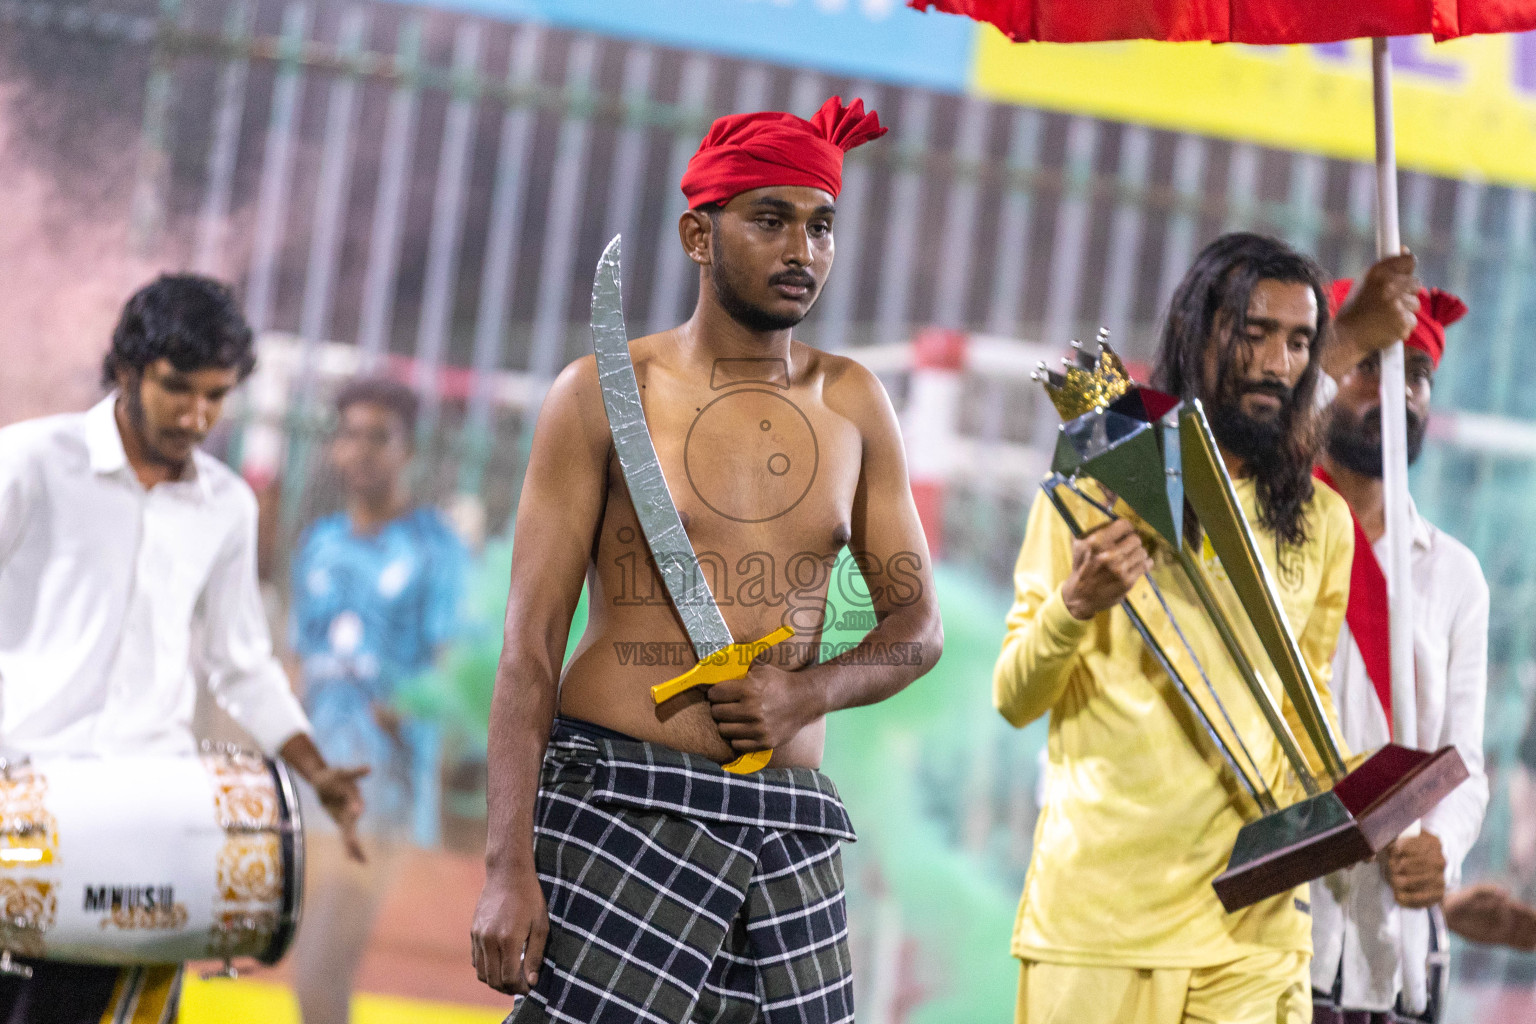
x=292 y=838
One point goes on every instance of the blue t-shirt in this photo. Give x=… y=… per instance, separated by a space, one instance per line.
x=369 y=613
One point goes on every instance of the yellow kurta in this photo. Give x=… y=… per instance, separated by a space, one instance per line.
x=1141 y=812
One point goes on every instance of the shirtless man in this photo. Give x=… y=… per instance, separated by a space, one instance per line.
x=675 y=890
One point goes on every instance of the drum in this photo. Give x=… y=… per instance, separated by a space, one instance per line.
x=149 y=859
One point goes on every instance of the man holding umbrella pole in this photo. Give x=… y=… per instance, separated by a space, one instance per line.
x=1373 y=926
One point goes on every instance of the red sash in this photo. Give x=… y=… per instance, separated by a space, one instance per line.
x=1368 y=617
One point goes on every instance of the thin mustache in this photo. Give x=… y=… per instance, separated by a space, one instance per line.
x=795 y=277
x=1371 y=419
x=1278 y=391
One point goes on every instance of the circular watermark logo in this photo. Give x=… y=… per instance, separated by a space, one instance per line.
x=757 y=474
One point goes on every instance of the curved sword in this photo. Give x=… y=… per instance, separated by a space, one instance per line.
x=720 y=657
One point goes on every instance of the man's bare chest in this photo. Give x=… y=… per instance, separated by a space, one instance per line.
x=751 y=467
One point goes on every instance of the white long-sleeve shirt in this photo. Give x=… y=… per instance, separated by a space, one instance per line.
x=1356 y=923
x=114 y=600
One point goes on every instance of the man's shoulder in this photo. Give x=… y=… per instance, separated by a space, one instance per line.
x=42 y=437
x=848 y=385
x=1453 y=559
x=1329 y=509
x=840 y=370
x=579 y=372
x=430 y=521
x=327 y=528
x=576 y=394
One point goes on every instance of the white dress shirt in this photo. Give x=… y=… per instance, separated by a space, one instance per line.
x=115 y=601
x=1357 y=925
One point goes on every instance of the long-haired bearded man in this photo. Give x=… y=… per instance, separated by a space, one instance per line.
x=1119 y=921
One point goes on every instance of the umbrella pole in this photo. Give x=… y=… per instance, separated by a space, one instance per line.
x=1394 y=426
x=1394 y=459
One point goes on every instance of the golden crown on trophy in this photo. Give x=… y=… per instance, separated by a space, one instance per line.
x=1088 y=383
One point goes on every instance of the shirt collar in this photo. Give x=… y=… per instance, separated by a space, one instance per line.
x=104 y=445
x=1421 y=534
x=1421 y=538
x=102 y=441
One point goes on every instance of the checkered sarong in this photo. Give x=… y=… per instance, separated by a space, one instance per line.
x=681 y=893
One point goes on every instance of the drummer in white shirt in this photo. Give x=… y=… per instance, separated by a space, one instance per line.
x=1378 y=944
x=128 y=572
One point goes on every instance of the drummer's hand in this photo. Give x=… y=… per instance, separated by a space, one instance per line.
x=1415 y=869
x=343 y=801
x=337 y=787
x=1380 y=311
x=1105 y=566
x=764 y=709
x=511 y=924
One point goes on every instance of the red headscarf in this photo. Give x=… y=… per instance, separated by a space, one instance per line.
x=747 y=151
x=1437 y=311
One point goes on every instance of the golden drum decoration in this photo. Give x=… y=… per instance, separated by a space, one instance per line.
x=28 y=908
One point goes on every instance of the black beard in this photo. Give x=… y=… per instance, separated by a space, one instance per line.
x=138 y=420
x=1250 y=439
x=753 y=318
x=1352 y=445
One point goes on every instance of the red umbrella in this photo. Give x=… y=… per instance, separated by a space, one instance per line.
x=1265 y=23
x=1272 y=22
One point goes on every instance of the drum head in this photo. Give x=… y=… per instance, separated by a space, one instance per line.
x=293 y=865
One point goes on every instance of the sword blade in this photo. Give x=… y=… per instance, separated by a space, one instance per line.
x=659 y=521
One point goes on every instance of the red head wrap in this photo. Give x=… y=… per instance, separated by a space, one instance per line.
x=747 y=151
x=1437 y=311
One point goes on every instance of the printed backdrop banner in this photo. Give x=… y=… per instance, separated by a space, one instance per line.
x=881 y=40
x=1465 y=108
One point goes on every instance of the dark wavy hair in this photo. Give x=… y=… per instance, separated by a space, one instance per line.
x=193 y=321
x=384 y=393
x=1210 y=306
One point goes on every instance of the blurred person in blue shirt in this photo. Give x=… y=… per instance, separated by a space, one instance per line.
x=376 y=598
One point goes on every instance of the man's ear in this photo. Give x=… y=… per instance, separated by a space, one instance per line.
x=696 y=229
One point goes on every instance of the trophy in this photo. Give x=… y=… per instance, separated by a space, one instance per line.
x=1157 y=455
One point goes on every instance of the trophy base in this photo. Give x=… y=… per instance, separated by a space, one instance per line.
x=1365 y=810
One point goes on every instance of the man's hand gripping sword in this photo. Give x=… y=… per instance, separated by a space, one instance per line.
x=723 y=666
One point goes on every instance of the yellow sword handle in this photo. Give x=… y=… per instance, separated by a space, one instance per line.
x=724 y=665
